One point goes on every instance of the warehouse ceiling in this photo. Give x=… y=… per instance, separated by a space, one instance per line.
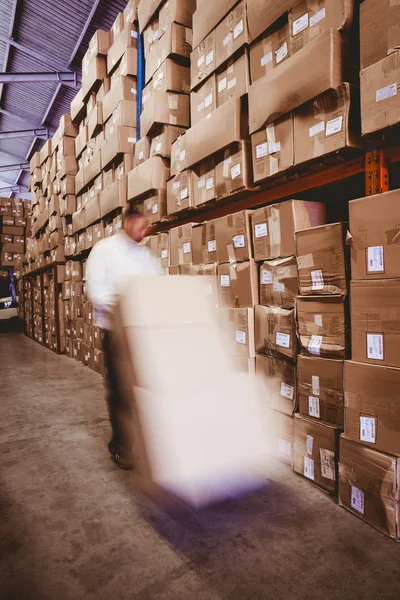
x=39 y=36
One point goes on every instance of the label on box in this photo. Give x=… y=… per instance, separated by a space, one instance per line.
x=357 y=499
x=315 y=385
x=327 y=464
x=187 y=248
x=241 y=337
x=225 y=281
x=158 y=147
x=310 y=444
x=281 y=53
x=231 y=83
x=285 y=447
x=282 y=340
x=200 y=61
x=164 y=253
x=375 y=346
x=141 y=155
x=278 y=287
x=313 y=407
x=261 y=230
x=235 y=171
x=287 y=391
x=315 y=344
x=308 y=468
x=209 y=58
x=176 y=185
x=222 y=85
x=184 y=193
x=201 y=183
x=272 y=148
x=227 y=39
x=318 y=320
x=261 y=150
x=200 y=107
x=316 y=129
x=210 y=183
x=317 y=280
x=317 y=17
x=212 y=246
x=367 y=430
x=266 y=277
x=238 y=241
x=238 y=29
x=334 y=126
x=266 y=59
x=208 y=100
x=154 y=209
x=300 y=24
x=386 y=92
x=182 y=155
x=376 y=263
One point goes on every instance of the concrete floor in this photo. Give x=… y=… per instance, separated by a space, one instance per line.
x=73 y=526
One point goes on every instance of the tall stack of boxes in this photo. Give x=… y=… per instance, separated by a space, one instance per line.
x=14 y=228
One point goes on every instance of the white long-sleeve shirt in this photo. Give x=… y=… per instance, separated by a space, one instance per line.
x=110 y=262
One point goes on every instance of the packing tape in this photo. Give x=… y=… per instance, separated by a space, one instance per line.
x=274 y=228
x=231 y=253
x=233 y=271
x=180 y=256
x=273 y=164
x=393 y=236
x=393 y=3
x=227 y=163
x=319 y=139
x=305 y=262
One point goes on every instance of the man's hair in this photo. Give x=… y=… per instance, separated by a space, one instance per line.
x=131 y=212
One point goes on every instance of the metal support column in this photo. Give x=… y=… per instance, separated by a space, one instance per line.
x=376 y=173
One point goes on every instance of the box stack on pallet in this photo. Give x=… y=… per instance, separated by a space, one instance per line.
x=14 y=229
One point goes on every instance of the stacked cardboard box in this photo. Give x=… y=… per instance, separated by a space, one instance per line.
x=369 y=454
x=14 y=228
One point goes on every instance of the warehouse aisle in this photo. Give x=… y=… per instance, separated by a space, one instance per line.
x=73 y=526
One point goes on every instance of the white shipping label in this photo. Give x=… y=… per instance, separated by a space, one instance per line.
x=261 y=230
x=313 y=407
x=187 y=248
x=287 y=391
x=261 y=150
x=282 y=340
x=376 y=263
x=334 y=126
x=300 y=24
x=208 y=100
x=176 y=185
x=318 y=320
x=285 y=447
x=241 y=337
x=212 y=246
x=201 y=183
x=266 y=59
x=222 y=85
x=164 y=253
x=367 y=430
x=375 y=346
x=310 y=444
x=315 y=344
x=387 y=92
x=209 y=58
x=184 y=193
x=231 y=83
x=278 y=287
x=317 y=280
x=200 y=61
x=316 y=129
x=357 y=499
x=317 y=17
x=309 y=468
x=158 y=147
x=200 y=107
x=272 y=148
x=210 y=183
x=281 y=53
x=227 y=39
x=182 y=155
x=266 y=277
x=239 y=242
x=327 y=464
x=141 y=155
x=154 y=209
x=315 y=385
x=225 y=281
x=235 y=171
x=238 y=29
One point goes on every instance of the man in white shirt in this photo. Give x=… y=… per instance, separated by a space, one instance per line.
x=111 y=261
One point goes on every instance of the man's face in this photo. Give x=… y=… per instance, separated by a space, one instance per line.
x=136 y=228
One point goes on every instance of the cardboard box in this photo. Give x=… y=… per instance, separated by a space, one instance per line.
x=233 y=80
x=204 y=244
x=204 y=182
x=124 y=115
x=204 y=100
x=121 y=141
x=174 y=43
x=78 y=220
x=92 y=211
x=113 y=197
x=371 y=393
x=273 y=149
x=322 y=260
x=237 y=330
x=141 y=151
x=274 y=226
x=278 y=282
x=307 y=20
x=316 y=453
x=179 y=192
x=150 y=175
x=233 y=170
x=207 y=16
x=238 y=284
x=269 y=51
x=203 y=60
x=275 y=332
x=171 y=76
x=162 y=140
x=380 y=106
x=375 y=325
x=369 y=486
x=327 y=124
x=93 y=74
x=379 y=34
x=231 y=34
x=165 y=108
x=81 y=141
x=375 y=253
x=281 y=436
x=276 y=382
x=321 y=65
x=233 y=237
x=127 y=38
x=123 y=88
x=92 y=168
x=323 y=326
x=320 y=389
x=159 y=247
x=178 y=155
x=154 y=208
x=178 y=11
x=180 y=239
